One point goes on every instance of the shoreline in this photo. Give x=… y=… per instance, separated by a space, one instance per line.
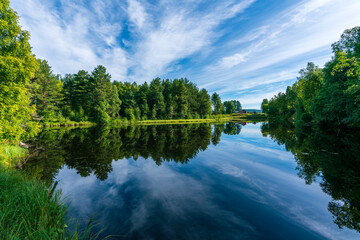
x=223 y=118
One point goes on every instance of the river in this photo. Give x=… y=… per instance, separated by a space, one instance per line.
x=204 y=181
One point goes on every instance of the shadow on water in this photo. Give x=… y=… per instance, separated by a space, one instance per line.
x=330 y=156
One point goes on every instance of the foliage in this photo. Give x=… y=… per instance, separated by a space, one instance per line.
x=45 y=91
x=330 y=95
x=17 y=66
x=229 y=107
x=218 y=107
x=33 y=209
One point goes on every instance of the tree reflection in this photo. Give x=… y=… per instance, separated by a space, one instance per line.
x=330 y=155
x=92 y=150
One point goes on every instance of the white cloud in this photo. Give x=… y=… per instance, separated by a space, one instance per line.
x=228 y=62
x=180 y=33
x=82 y=40
x=136 y=13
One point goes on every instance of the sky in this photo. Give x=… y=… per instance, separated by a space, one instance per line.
x=245 y=50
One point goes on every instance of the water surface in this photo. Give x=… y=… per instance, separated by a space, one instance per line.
x=202 y=181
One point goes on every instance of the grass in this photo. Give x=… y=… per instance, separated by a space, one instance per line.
x=10 y=155
x=219 y=118
x=212 y=119
x=30 y=208
x=66 y=124
x=249 y=116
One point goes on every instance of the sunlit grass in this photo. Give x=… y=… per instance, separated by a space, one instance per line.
x=10 y=155
x=66 y=124
x=214 y=119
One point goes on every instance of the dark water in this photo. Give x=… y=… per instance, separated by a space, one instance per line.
x=204 y=181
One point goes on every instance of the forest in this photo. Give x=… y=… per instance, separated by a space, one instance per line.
x=329 y=95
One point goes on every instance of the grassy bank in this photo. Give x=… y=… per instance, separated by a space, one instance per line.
x=214 y=119
x=67 y=124
x=250 y=116
x=11 y=154
x=221 y=118
x=29 y=209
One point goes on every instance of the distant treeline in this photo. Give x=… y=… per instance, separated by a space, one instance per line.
x=324 y=95
x=92 y=96
x=31 y=92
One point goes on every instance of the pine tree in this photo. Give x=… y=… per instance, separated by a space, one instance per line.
x=46 y=92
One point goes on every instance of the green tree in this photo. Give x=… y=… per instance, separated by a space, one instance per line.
x=229 y=107
x=265 y=105
x=46 y=92
x=17 y=66
x=204 y=104
x=237 y=104
x=68 y=93
x=349 y=43
x=141 y=100
x=156 y=99
x=83 y=90
x=100 y=88
x=217 y=104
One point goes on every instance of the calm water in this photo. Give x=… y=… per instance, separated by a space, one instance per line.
x=205 y=181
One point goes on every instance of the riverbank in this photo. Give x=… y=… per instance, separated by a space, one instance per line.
x=9 y=155
x=67 y=124
x=218 y=118
x=221 y=118
x=250 y=116
x=31 y=208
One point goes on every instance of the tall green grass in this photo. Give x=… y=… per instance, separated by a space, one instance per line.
x=10 y=155
x=30 y=209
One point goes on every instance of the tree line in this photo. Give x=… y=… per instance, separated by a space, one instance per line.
x=92 y=96
x=31 y=92
x=324 y=95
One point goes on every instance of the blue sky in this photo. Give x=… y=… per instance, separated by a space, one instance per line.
x=245 y=50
